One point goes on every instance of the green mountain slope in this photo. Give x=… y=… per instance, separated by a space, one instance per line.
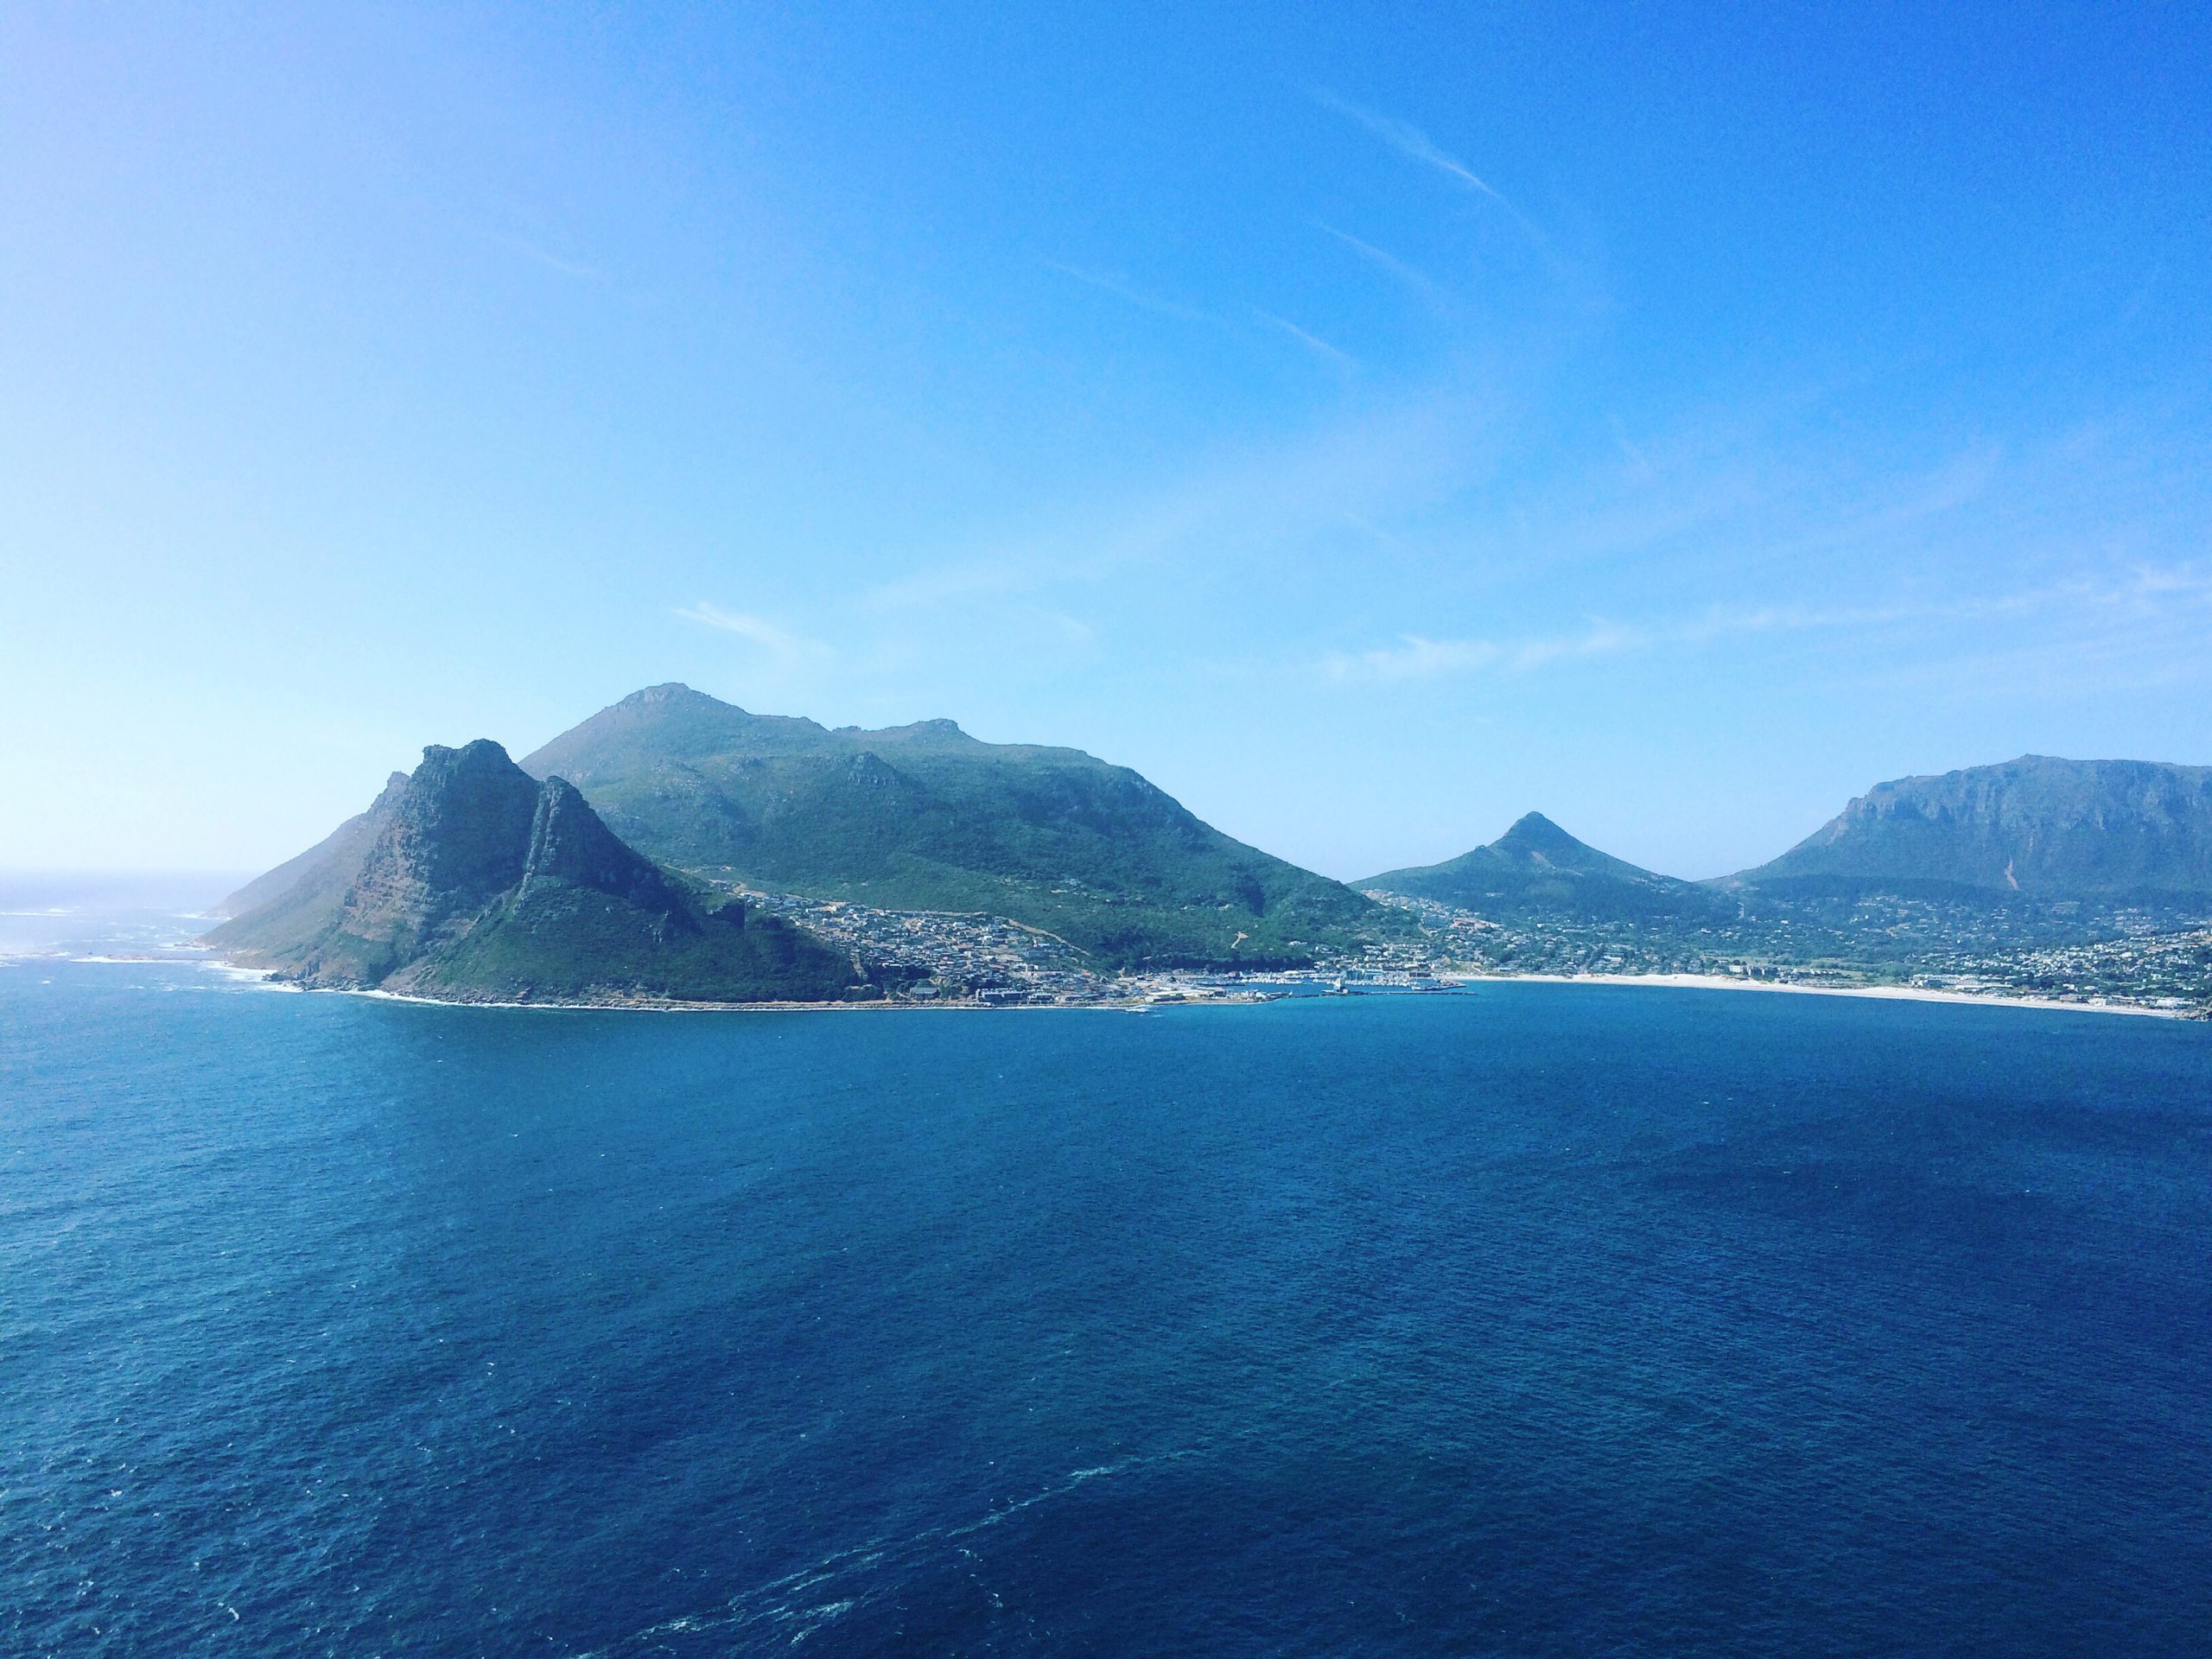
x=1537 y=871
x=471 y=880
x=927 y=817
x=2037 y=826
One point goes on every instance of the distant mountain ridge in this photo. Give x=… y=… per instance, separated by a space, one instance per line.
x=2038 y=826
x=927 y=817
x=606 y=876
x=1536 y=870
x=469 y=879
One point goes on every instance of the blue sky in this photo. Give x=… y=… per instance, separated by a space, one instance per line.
x=1371 y=424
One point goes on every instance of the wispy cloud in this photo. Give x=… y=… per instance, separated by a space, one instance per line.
x=1412 y=658
x=1269 y=497
x=1144 y=299
x=1415 y=657
x=1407 y=140
x=1312 y=342
x=2175 y=595
x=784 y=645
x=1421 y=283
x=1121 y=287
x=551 y=261
x=1412 y=142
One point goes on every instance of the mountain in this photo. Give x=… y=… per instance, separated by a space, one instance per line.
x=471 y=880
x=339 y=850
x=926 y=817
x=1536 y=871
x=2037 y=826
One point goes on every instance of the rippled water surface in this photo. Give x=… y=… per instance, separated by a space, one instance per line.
x=1541 y=1320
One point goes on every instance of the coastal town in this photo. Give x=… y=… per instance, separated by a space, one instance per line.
x=1887 y=941
x=956 y=958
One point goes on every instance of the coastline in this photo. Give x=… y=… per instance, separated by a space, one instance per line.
x=1887 y=993
x=267 y=980
x=1166 y=996
x=1143 y=1003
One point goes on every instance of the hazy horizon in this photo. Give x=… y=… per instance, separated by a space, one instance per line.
x=1370 y=427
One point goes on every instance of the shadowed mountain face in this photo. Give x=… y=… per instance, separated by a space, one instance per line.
x=471 y=880
x=927 y=817
x=2041 y=827
x=1535 y=870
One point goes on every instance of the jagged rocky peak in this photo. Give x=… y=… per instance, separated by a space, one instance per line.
x=462 y=824
x=569 y=842
x=454 y=836
x=474 y=880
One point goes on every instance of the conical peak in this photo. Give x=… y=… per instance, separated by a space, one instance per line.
x=1535 y=829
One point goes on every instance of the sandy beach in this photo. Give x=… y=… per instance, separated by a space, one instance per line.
x=1891 y=993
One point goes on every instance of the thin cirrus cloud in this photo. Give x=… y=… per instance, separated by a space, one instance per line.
x=1412 y=142
x=1312 y=342
x=539 y=255
x=1415 y=657
x=1381 y=260
x=1407 y=140
x=1122 y=288
x=2101 y=615
x=779 y=643
x=1266 y=496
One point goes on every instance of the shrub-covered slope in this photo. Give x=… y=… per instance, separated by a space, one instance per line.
x=927 y=817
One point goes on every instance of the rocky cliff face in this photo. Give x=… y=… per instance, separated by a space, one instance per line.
x=570 y=845
x=2039 y=826
x=472 y=880
x=457 y=836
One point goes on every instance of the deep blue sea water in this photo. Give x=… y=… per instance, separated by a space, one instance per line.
x=1538 y=1320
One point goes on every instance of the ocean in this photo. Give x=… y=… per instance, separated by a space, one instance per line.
x=1538 y=1320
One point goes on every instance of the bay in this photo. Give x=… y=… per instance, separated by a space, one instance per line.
x=1537 y=1319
